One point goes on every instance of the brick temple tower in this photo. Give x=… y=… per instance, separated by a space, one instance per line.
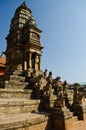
x=24 y=49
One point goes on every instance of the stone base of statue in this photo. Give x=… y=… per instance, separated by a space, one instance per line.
x=60 y=116
x=84 y=112
x=46 y=102
x=52 y=100
x=79 y=111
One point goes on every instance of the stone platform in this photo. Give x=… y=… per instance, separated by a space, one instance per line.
x=18 y=105
x=20 y=110
x=24 y=121
x=15 y=93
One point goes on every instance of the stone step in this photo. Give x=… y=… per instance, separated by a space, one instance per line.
x=17 y=72
x=29 y=121
x=15 y=93
x=16 y=105
x=16 y=84
x=75 y=118
x=17 y=78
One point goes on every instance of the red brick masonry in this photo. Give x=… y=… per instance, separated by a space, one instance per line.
x=2 y=65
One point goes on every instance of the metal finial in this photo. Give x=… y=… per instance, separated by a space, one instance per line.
x=24 y=1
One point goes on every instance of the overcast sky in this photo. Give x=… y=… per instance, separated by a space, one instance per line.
x=63 y=23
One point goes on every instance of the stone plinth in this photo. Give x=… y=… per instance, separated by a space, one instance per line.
x=60 y=116
x=84 y=114
x=78 y=111
x=17 y=105
x=15 y=93
x=26 y=121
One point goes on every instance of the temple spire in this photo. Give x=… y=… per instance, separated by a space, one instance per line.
x=24 y=2
x=23 y=34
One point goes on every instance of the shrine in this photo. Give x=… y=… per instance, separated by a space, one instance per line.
x=23 y=42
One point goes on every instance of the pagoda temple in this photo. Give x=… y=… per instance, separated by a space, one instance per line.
x=23 y=42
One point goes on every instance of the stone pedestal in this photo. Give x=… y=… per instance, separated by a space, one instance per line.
x=61 y=115
x=79 y=111
x=46 y=102
x=84 y=112
x=77 y=107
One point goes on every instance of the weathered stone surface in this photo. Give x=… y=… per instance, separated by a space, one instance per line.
x=16 y=105
x=31 y=121
x=15 y=93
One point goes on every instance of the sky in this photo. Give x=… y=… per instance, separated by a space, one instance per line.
x=63 y=25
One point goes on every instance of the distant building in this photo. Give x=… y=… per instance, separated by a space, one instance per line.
x=2 y=65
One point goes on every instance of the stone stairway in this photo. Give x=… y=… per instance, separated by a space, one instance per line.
x=18 y=110
x=15 y=93
x=18 y=105
x=16 y=81
x=24 y=121
x=15 y=84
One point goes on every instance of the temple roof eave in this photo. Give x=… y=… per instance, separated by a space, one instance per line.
x=31 y=26
x=33 y=45
x=36 y=28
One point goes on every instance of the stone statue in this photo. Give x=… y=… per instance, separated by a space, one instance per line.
x=49 y=78
x=37 y=86
x=65 y=87
x=57 y=86
x=45 y=73
x=32 y=80
x=48 y=88
x=38 y=81
x=65 y=93
x=34 y=73
x=60 y=101
x=76 y=95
